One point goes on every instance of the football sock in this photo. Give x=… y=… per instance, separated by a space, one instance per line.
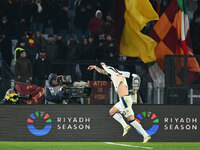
x=118 y=117
x=138 y=126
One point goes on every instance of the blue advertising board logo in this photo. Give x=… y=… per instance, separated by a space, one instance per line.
x=42 y=116
x=151 y=116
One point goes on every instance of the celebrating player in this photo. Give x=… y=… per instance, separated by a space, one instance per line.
x=124 y=106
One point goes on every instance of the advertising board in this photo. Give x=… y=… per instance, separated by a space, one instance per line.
x=165 y=123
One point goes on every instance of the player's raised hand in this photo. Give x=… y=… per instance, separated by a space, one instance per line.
x=91 y=67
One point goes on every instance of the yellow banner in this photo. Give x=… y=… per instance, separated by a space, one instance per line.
x=133 y=42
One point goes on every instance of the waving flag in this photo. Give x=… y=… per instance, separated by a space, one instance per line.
x=133 y=43
x=36 y=92
x=171 y=32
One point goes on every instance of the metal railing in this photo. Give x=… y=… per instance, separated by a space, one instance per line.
x=149 y=92
x=173 y=93
x=182 y=78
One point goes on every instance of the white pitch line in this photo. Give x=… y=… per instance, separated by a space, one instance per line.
x=128 y=145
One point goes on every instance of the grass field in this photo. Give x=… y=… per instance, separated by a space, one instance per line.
x=97 y=146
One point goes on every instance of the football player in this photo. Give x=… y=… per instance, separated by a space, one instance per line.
x=124 y=106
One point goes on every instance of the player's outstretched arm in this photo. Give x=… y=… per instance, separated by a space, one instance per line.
x=91 y=67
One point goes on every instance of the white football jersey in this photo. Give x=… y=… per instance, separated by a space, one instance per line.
x=115 y=76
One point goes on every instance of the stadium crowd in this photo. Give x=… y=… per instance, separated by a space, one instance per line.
x=80 y=29
x=49 y=30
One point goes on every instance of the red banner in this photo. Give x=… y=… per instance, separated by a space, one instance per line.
x=100 y=92
x=36 y=92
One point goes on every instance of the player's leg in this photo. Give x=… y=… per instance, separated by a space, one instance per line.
x=115 y=113
x=129 y=114
x=139 y=127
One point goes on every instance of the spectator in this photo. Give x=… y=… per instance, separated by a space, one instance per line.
x=72 y=54
x=62 y=47
x=110 y=49
x=16 y=15
x=26 y=11
x=25 y=17
x=5 y=25
x=96 y=24
x=19 y=47
x=100 y=45
x=90 y=53
x=60 y=10
x=91 y=6
x=38 y=15
x=53 y=94
x=91 y=48
x=48 y=16
x=51 y=48
x=82 y=49
x=39 y=40
x=72 y=49
x=81 y=20
x=71 y=16
x=6 y=49
x=12 y=97
x=31 y=48
x=22 y=28
x=41 y=68
x=62 y=52
x=23 y=68
x=105 y=6
x=195 y=32
x=83 y=55
x=191 y=7
x=109 y=25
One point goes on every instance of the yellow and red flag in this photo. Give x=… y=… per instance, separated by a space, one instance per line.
x=171 y=32
x=36 y=92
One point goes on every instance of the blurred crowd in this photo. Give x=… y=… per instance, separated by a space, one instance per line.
x=49 y=30
x=34 y=55
x=63 y=17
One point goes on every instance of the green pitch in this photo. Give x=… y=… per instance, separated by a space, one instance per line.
x=97 y=146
